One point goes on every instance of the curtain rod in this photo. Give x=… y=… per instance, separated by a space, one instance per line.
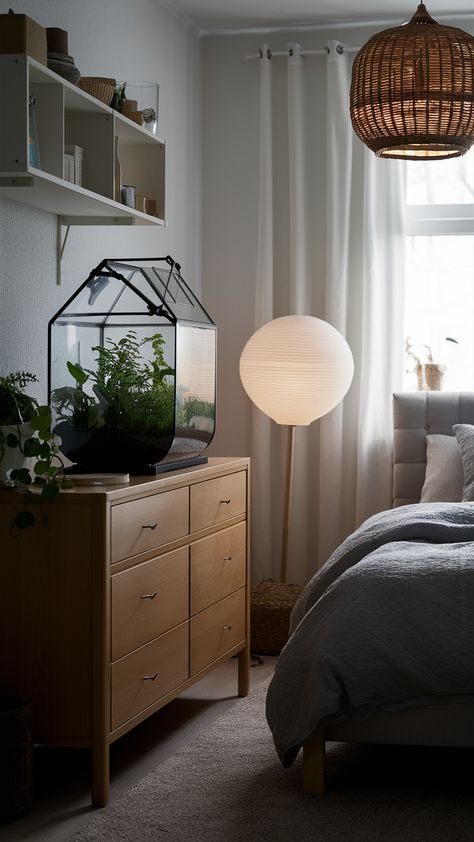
x=341 y=48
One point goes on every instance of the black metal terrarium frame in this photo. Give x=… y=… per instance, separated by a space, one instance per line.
x=178 y=307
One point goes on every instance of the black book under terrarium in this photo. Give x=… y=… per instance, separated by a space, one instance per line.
x=132 y=370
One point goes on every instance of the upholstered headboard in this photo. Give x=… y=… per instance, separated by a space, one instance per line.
x=416 y=415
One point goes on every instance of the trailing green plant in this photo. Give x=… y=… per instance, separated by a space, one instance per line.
x=130 y=394
x=15 y=406
x=17 y=409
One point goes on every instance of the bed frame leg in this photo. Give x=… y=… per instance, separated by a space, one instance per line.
x=313 y=764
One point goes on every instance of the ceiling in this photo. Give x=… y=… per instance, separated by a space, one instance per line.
x=244 y=14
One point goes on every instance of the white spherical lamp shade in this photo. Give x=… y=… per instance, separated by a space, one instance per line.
x=296 y=369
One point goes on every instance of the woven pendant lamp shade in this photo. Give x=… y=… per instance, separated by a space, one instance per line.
x=412 y=91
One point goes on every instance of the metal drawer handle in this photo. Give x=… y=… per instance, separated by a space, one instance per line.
x=227 y=558
x=150 y=526
x=150 y=677
x=227 y=627
x=226 y=501
x=149 y=595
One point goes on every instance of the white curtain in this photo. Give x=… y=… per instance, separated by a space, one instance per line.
x=261 y=446
x=343 y=463
x=364 y=300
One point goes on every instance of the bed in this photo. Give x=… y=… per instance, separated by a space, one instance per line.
x=413 y=590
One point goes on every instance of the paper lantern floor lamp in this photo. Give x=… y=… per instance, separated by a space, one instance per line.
x=295 y=369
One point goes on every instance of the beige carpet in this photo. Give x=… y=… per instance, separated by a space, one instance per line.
x=227 y=786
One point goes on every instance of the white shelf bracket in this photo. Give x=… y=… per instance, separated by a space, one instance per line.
x=60 y=246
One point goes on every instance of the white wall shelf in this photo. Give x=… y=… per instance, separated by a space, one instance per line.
x=67 y=115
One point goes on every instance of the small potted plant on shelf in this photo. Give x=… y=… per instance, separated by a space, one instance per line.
x=26 y=437
x=430 y=375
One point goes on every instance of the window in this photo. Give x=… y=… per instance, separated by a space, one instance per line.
x=439 y=293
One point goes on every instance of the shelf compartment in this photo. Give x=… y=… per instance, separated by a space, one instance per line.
x=49 y=110
x=95 y=134
x=146 y=172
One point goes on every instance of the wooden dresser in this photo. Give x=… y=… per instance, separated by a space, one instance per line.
x=128 y=596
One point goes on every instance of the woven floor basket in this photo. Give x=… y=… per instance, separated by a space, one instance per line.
x=16 y=757
x=270 y=610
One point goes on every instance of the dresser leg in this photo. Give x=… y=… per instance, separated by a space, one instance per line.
x=244 y=671
x=100 y=775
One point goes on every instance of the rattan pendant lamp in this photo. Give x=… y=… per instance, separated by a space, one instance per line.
x=412 y=91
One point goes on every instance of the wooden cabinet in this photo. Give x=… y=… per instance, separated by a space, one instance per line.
x=66 y=115
x=128 y=596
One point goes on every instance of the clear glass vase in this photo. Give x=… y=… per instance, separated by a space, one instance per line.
x=146 y=96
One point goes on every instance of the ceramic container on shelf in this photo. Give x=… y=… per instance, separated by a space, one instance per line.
x=58 y=58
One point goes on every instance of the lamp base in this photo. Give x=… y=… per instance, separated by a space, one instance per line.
x=270 y=610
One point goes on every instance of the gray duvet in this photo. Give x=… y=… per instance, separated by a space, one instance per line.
x=387 y=623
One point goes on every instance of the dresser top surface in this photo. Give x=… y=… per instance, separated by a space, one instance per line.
x=145 y=485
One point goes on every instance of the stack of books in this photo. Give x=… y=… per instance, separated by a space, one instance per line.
x=74 y=165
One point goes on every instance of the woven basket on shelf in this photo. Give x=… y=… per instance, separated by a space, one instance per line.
x=99 y=87
x=270 y=610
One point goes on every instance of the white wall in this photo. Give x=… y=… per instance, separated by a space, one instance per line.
x=125 y=39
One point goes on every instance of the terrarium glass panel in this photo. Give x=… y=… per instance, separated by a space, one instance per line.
x=133 y=370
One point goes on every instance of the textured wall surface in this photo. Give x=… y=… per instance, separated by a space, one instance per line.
x=125 y=39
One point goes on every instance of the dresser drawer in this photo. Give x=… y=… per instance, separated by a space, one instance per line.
x=141 y=678
x=216 y=500
x=218 y=566
x=216 y=630
x=148 y=600
x=148 y=523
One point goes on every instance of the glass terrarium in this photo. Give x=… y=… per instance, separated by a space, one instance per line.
x=132 y=370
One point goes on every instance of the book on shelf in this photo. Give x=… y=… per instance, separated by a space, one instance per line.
x=69 y=168
x=77 y=154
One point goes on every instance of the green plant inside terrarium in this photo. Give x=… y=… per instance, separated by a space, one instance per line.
x=130 y=394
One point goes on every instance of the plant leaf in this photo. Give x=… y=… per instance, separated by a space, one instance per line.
x=50 y=491
x=23 y=520
x=12 y=440
x=22 y=476
x=40 y=468
x=78 y=373
x=32 y=447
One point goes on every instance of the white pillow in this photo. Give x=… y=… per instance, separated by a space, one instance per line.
x=465 y=438
x=444 y=478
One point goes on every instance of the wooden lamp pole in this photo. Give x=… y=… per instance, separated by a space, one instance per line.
x=287 y=504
